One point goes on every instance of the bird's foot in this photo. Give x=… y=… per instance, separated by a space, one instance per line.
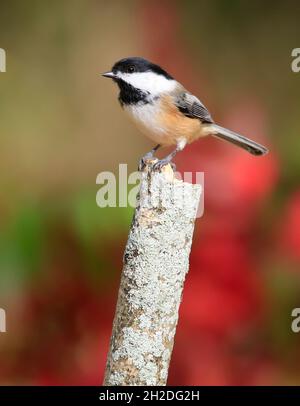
x=157 y=166
x=144 y=159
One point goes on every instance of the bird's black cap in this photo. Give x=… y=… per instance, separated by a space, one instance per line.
x=136 y=64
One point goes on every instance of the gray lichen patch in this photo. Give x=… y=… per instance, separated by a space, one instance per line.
x=156 y=261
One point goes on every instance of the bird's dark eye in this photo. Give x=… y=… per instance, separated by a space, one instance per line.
x=131 y=69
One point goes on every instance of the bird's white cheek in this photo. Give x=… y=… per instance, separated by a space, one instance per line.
x=149 y=82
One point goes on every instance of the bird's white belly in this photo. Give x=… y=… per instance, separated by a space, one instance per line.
x=146 y=117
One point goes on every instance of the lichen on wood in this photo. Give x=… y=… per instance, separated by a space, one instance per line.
x=156 y=261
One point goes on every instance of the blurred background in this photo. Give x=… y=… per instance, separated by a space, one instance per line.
x=60 y=125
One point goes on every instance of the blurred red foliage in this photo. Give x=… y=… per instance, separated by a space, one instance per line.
x=289 y=238
x=64 y=335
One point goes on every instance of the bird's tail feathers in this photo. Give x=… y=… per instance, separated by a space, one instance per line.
x=251 y=146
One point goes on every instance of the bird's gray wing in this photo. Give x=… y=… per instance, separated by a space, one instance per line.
x=192 y=107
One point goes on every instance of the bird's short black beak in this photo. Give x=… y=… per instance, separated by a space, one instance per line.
x=110 y=75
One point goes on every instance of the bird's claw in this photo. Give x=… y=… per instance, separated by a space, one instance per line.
x=157 y=166
x=143 y=161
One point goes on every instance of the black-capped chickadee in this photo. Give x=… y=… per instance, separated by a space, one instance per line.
x=165 y=111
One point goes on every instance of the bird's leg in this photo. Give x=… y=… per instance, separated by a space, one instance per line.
x=149 y=155
x=168 y=159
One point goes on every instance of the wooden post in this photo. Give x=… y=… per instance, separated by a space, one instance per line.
x=156 y=261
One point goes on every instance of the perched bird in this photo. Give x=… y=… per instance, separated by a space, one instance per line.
x=165 y=111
